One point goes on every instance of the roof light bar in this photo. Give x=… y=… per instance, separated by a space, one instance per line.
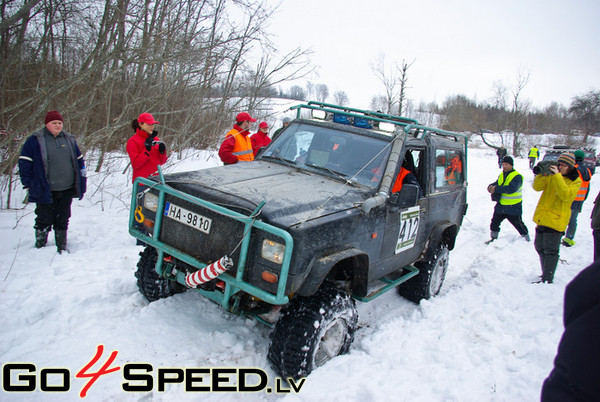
x=389 y=127
x=319 y=114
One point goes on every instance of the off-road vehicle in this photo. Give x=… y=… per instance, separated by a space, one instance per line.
x=589 y=160
x=309 y=227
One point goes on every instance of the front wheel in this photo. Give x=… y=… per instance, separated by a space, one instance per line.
x=311 y=331
x=149 y=282
x=432 y=271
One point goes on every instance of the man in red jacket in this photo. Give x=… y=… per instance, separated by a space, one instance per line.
x=261 y=138
x=145 y=149
x=237 y=145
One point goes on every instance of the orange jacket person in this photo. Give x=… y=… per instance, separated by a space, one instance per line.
x=237 y=145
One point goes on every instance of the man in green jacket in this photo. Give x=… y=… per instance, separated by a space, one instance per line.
x=553 y=211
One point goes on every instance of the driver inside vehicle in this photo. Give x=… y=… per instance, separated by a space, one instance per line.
x=406 y=174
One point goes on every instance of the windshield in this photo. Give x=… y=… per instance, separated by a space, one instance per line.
x=353 y=157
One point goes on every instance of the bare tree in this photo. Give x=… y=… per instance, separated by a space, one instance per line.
x=394 y=82
x=322 y=92
x=297 y=92
x=390 y=81
x=586 y=110
x=102 y=62
x=403 y=87
x=499 y=94
x=340 y=98
x=519 y=109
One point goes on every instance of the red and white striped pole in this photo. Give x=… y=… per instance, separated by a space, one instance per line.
x=209 y=272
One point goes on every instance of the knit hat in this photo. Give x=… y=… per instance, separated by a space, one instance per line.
x=286 y=120
x=51 y=116
x=567 y=158
x=241 y=117
x=509 y=160
x=147 y=118
x=579 y=155
x=263 y=124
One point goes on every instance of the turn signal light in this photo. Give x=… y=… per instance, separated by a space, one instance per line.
x=269 y=277
x=149 y=223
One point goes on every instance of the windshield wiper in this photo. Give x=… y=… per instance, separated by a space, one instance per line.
x=333 y=172
x=277 y=158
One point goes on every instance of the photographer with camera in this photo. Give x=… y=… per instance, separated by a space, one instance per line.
x=146 y=151
x=507 y=191
x=559 y=185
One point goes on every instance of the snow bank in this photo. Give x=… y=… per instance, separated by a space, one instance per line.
x=489 y=335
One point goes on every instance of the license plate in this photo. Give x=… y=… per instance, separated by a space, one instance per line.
x=188 y=218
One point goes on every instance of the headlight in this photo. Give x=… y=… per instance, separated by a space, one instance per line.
x=272 y=251
x=151 y=202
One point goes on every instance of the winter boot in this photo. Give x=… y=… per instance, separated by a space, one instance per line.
x=61 y=240
x=41 y=237
x=494 y=236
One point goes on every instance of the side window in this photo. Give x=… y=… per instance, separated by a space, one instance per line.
x=448 y=168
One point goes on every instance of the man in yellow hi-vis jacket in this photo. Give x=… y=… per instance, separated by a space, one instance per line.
x=507 y=192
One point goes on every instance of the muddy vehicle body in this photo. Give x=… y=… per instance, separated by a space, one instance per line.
x=293 y=238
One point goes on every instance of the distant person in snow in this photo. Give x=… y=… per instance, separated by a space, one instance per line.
x=52 y=171
x=577 y=363
x=585 y=175
x=559 y=189
x=260 y=138
x=501 y=152
x=534 y=153
x=146 y=151
x=596 y=227
x=286 y=122
x=507 y=191
x=237 y=146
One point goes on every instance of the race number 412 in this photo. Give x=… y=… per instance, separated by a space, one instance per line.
x=409 y=227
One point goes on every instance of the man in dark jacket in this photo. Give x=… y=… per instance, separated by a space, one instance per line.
x=286 y=122
x=52 y=170
x=507 y=191
x=501 y=152
x=577 y=362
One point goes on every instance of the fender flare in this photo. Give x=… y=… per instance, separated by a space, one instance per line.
x=442 y=231
x=320 y=266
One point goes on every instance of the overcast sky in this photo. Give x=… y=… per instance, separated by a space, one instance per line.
x=458 y=46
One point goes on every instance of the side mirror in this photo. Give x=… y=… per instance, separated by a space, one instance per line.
x=407 y=197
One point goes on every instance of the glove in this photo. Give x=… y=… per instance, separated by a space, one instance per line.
x=162 y=148
x=148 y=143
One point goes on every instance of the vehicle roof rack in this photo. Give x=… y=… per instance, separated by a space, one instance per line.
x=372 y=120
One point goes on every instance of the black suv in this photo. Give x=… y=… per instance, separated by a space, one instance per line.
x=308 y=227
x=589 y=160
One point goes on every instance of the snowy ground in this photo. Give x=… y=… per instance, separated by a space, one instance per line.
x=489 y=335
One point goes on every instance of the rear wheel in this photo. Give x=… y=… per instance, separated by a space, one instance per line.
x=432 y=271
x=311 y=331
x=149 y=282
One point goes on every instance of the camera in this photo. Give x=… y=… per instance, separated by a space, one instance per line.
x=543 y=168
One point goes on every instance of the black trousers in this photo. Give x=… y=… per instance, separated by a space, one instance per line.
x=547 y=245
x=515 y=220
x=56 y=214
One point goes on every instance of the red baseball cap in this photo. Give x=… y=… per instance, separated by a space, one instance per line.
x=147 y=118
x=263 y=124
x=244 y=117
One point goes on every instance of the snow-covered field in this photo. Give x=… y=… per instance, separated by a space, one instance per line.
x=490 y=335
